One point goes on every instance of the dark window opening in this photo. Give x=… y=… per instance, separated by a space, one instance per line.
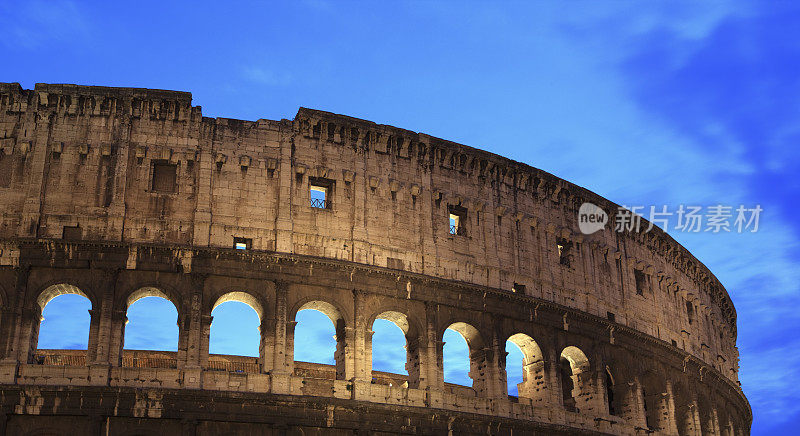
x=610 y=394
x=690 y=311
x=164 y=176
x=611 y=317
x=72 y=233
x=394 y=263
x=674 y=344
x=518 y=288
x=564 y=252
x=319 y=191
x=499 y=220
x=641 y=281
x=242 y=243
x=458 y=218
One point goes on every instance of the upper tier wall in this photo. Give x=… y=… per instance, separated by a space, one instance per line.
x=84 y=156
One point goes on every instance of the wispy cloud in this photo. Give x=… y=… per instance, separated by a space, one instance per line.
x=37 y=23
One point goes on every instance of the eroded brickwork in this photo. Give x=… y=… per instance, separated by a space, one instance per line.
x=117 y=193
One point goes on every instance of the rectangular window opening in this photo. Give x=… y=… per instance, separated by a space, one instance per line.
x=72 y=233
x=611 y=316
x=319 y=191
x=242 y=243
x=518 y=288
x=564 y=255
x=458 y=220
x=641 y=281
x=164 y=176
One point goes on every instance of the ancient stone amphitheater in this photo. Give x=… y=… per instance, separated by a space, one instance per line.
x=116 y=194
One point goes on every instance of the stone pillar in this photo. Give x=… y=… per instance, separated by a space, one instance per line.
x=35 y=176
x=552 y=370
x=118 y=321
x=639 y=414
x=362 y=362
x=283 y=205
x=98 y=356
x=205 y=339
x=345 y=351
x=714 y=422
x=29 y=333
x=672 y=420
x=431 y=364
x=280 y=339
x=202 y=213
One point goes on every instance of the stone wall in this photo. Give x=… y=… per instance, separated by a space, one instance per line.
x=137 y=188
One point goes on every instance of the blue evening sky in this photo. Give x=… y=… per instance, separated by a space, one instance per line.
x=645 y=103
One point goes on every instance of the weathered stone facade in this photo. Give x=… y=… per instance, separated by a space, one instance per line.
x=117 y=194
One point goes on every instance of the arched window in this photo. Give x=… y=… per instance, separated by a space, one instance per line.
x=525 y=368
x=64 y=325
x=319 y=336
x=463 y=357
x=235 y=328
x=575 y=379
x=389 y=343
x=152 y=321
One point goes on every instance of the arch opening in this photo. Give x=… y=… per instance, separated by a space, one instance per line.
x=319 y=336
x=390 y=351
x=152 y=323
x=525 y=368
x=575 y=379
x=64 y=325
x=684 y=410
x=236 y=326
x=655 y=404
x=463 y=357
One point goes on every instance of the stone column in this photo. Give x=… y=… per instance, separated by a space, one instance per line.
x=29 y=333
x=639 y=415
x=431 y=364
x=281 y=343
x=362 y=357
x=13 y=321
x=101 y=335
x=672 y=422
x=37 y=156
x=118 y=321
x=205 y=339
x=362 y=362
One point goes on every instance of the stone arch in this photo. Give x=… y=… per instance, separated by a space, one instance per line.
x=334 y=313
x=241 y=297
x=60 y=288
x=576 y=379
x=253 y=303
x=44 y=297
x=479 y=360
x=654 y=401
x=533 y=385
x=153 y=291
x=147 y=291
x=684 y=410
x=413 y=346
x=708 y=425
x=621 y=391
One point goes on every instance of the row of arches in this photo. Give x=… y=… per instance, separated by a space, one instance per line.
x=320 y=336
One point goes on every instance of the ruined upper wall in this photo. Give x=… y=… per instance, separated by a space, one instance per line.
x=84 y=157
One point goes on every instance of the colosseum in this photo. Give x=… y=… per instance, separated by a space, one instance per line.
x=116 y=194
